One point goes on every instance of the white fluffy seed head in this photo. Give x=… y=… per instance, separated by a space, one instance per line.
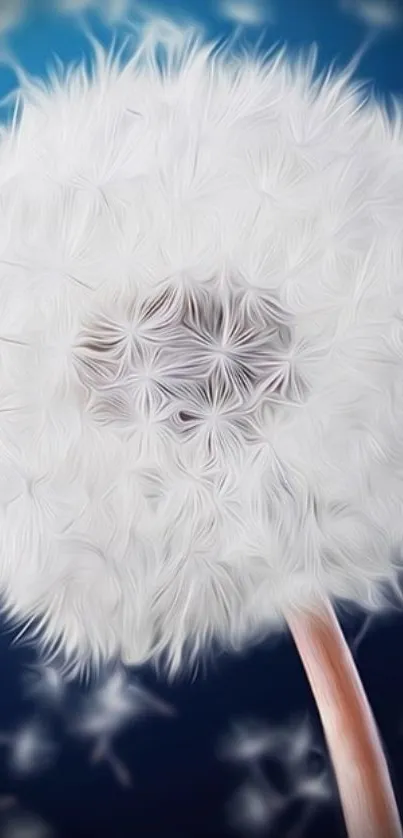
x=200 y=350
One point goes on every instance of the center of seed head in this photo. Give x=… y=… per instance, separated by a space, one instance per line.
x=201 y=355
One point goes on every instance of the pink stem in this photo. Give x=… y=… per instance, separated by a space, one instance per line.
x=360 y=767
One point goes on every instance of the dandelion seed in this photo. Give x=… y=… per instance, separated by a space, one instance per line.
x=297 y=743
x=307 y=771
x=314 y=788
x=26 y=826
x=110 y=707
x=362 y=633
x=7 y=802
x=30 y=750
x=104 y=753
x=114 y=704
x=248 y=741
x=46 y=685
x=254 y=809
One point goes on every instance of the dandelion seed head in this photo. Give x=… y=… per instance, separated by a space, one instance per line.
x=200 y=422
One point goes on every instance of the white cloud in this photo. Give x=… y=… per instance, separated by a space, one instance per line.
x=11 y=14
x=111 y=10
x=247 y=12
x=378 y=14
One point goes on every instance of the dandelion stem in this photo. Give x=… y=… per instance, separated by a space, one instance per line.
x=360 y=767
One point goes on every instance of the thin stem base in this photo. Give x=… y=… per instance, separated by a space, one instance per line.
x=360 y=767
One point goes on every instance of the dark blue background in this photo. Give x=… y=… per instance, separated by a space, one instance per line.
x=180 y=788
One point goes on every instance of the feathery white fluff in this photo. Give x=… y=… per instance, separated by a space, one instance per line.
x=201 y=343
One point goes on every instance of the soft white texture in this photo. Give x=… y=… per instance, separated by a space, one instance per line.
x=140 y=516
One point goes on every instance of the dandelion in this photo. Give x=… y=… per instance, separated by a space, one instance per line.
x=230 y=395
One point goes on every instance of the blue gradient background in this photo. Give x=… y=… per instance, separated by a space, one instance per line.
x=180 y=789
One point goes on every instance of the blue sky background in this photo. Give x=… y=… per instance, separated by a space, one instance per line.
x=42 y=31
x=180 y=787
